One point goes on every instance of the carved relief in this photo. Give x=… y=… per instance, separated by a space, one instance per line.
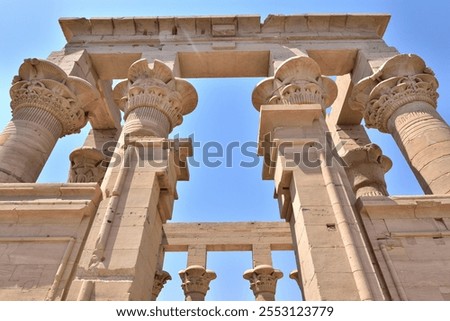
x=297 y=81
x=195 y=282
x=43 y=85
x=263 y=281
x=401 y=80
x=153 y=100
x=86 y=165
x=366 y=168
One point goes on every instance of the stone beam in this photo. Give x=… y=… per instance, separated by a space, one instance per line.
x=189 y=29
x=234 y=236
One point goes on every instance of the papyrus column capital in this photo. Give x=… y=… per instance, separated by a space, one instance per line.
x=86 y=165
x=155 y=97
x=42 y=85
x=298 y=80
x=401 y=80
x=161 y=278
x=195 y=282
x=366 y=166
x=263 y=281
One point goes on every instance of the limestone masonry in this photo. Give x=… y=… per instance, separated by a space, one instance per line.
x=103 y=234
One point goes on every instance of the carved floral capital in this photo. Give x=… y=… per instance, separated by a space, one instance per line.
x=195 y=280
x=263 y=279
x=161 y=278
x=298 y=80
x=43 y=85
x=366 y=168
x=154 y=86
x=86 y=165
x=401 y=80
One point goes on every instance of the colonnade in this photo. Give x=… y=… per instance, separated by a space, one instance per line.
x=400 y=99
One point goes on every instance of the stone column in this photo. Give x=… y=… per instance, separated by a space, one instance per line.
x=365 y=170
x=311 y=197
x=124 y=244
x=46 y=105
x=161 y=278
x=401 y=99
x=87 y=165
x=195 y=282
x=263 y=281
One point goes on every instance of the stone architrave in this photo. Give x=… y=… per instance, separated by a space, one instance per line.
x=87 y=165
x=46 y=105
x=195 y=282
x=366 y=166
x=161 y=278
x=153 y=100
x=263 y=281
x=401 y=99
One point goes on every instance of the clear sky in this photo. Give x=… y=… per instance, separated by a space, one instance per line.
x=224 y=114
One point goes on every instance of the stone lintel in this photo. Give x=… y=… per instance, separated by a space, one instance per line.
x=52 y=199
x=367 y=26
x=234 y=236
x=420 y=206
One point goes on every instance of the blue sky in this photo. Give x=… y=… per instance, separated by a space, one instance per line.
x=224 y=114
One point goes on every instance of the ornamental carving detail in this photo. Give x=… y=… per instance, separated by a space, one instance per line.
x=401 y=80
x=87 y=165
x=161 y=278
x=43 y=85
x=196 y=279
x=297 y=81
x=263 y=279
x=152 y=93
x=366 y=166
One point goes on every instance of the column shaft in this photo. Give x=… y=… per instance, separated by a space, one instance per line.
x=311 y=198
x=424 y=139
x=122 y=250
x=400 y=99
x=26 y=143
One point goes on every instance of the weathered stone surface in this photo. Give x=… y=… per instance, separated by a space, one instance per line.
x=401 y=99
x=263 y=281
x=195 y=282
x=351 y=241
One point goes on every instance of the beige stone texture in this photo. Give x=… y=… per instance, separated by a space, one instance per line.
x=43 y=230
x=263 y=281
x=46 y=105
x=414 y=247
x=400 y=99
x=106 y=240
x=195 y=282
